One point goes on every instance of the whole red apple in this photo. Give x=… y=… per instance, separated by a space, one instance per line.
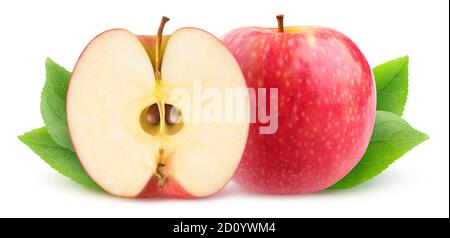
x=326 y=107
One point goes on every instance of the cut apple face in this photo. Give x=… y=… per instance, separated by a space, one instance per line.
x=132 y=131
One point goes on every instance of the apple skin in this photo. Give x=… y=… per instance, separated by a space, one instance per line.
x=326 y=107
x=149 y=43
x=170 y=189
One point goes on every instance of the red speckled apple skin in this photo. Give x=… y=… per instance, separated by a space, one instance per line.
x=170 y=189
x=326 y=108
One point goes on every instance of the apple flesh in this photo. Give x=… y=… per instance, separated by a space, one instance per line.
x=326 y=107
x=122 y=126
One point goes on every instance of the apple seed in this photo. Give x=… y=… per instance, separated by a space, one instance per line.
x=171 y=115
x=153 y=114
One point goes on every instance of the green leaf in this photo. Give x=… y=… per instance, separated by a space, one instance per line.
x=391 y=80
x=392 y=138
x=61 y=159
x=53 y=103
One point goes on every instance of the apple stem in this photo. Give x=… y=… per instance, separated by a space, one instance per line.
x=280 y=23
x=164 y=19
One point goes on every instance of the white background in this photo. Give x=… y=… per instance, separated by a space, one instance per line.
x=417 y=185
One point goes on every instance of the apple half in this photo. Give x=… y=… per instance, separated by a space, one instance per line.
x=127 y=129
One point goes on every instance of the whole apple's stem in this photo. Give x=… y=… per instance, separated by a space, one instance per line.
x=280 y=23
x=164 y=19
